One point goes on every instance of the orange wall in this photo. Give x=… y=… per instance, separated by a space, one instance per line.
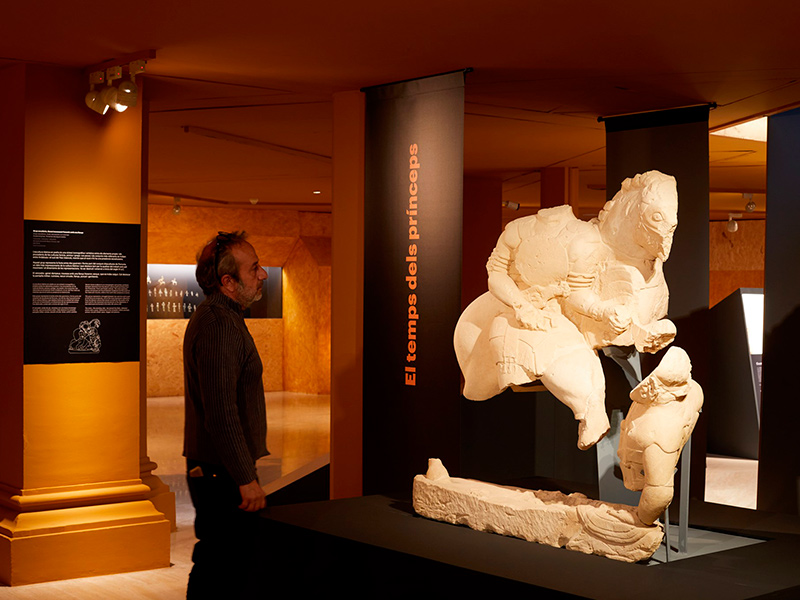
x=306 y=311
x=275 y=234
x=736 y=260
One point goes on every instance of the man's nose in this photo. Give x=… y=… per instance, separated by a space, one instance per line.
x=262 y=274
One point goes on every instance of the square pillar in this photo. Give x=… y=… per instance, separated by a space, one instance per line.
x=72 y=501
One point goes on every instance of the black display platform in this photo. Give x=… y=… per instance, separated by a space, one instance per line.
x=378 y=544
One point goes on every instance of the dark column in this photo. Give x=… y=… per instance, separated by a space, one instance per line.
x=779 y=457
x=483 y=224
x=675 y=142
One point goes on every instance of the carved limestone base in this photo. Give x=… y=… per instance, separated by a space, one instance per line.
x=572 y=521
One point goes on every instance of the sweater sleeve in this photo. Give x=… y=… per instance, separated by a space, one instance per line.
x=218 y=352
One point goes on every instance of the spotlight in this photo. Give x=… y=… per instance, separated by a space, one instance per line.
x=751 y=205
x=176 y=206
x=128 y=91
x=510 y=205
x=110 y=95
x=93 y=99
x=733 y=226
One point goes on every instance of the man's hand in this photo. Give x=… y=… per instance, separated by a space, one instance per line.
x=253 y=497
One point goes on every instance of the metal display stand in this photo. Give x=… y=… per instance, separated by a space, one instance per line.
x=683 y=513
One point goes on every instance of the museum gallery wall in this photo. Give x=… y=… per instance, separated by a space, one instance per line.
x=296 y=348
x=736 y=259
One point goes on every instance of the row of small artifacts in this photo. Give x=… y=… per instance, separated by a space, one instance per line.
x=171 y=307
x=169 y=293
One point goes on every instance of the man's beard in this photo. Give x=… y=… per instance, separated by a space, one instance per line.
x=245 y=298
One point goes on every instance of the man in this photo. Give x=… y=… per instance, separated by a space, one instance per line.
x=225 y=429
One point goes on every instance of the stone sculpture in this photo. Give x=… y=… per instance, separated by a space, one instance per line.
x=572 y=521
x=559 y=288
x=666 y=405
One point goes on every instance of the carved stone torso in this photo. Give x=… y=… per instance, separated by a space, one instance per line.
x=541 y=260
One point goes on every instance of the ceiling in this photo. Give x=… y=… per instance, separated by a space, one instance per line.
x=241 y=91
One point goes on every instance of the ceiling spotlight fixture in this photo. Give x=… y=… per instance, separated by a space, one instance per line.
x=92 y=99
x=733 y=226
x=750 y=206
x=253 y=201
x=510 y=205
x=119 y=98
x=176 y=205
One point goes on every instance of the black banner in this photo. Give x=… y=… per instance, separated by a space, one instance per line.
x=412 y=277
x=81 y=292
x=675 y=142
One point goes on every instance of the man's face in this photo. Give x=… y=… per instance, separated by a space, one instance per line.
x=251 y=275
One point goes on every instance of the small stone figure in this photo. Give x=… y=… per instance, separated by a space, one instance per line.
x=665 y=408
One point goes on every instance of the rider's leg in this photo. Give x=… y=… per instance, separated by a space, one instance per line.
x=576 y=379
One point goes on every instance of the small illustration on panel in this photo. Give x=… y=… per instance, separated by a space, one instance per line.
x=85 y=338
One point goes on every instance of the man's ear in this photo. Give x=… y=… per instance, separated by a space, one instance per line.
x=228 y=282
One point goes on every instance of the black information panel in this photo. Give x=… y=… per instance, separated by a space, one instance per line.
x=81 y=292
x=173 y=293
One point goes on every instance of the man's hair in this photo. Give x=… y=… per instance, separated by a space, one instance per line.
x=216 y=260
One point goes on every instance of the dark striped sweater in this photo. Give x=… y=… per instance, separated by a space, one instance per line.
x=226 y=421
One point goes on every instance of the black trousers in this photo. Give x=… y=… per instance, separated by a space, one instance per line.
x=226 y=554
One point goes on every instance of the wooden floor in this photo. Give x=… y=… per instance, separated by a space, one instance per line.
x=299 y=434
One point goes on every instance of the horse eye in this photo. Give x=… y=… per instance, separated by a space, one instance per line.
x=657 y=216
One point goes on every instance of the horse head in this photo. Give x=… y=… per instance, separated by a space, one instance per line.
x=641 y=218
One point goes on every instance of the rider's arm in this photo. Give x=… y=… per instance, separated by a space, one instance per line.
x=500 y=283
x=586 y=257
